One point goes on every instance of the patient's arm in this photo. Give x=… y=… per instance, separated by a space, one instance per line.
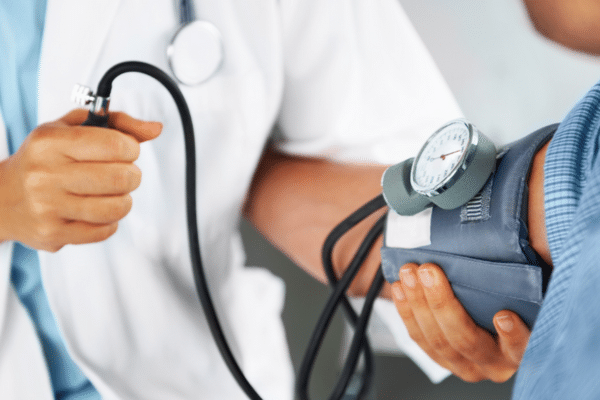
x=536 y=216
x=437 y=321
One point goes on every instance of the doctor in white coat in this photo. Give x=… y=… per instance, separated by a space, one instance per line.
x=344 y=81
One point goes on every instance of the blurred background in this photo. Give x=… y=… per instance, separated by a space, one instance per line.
x=508 y=81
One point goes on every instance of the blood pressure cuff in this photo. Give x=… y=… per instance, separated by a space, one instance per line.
x=483 y=245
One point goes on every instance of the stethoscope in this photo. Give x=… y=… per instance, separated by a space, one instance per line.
x=196 y=52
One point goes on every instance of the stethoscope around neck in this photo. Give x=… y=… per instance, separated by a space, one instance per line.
x=195 y=52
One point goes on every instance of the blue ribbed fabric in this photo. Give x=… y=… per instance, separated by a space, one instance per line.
x=21 y=28
x=562 y=360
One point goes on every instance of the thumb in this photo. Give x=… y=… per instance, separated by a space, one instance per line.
x=138 y=129
x=513 y=335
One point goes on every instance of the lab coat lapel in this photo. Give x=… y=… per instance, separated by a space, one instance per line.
x=74 y=33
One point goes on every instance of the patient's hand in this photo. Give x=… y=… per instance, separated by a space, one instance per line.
x=436 y=320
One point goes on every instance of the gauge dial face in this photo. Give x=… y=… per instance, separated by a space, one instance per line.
x=441 y=156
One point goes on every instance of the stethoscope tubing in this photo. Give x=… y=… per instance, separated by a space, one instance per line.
x=186 y=12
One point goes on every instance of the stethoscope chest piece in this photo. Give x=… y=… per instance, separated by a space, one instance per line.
x=195 y=53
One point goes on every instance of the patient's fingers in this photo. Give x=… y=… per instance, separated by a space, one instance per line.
x=409 y=320
x=438 y=323
x=413 y=328
x=463 y=334
x=433 y=336
x=513 y=335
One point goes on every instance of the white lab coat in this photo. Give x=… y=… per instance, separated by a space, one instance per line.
x=345 y=79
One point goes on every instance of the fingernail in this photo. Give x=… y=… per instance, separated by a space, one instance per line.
x=426 y=277
x=408 y=278
x=397 y=292
x=505 y=323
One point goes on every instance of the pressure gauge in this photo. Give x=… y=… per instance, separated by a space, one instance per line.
x=451 y=168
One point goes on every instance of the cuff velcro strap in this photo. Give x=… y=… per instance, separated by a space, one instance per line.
x=483 y=245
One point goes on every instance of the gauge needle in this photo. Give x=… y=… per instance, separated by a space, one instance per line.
x=443 y=156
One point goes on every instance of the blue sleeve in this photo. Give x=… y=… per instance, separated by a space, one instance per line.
x=578 y=351
x=571 y=361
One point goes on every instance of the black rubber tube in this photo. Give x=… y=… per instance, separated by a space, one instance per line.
x=104 y=89
x=359 y=339
x=338 y=297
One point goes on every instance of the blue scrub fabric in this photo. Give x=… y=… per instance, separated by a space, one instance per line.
x=562 y=360
x=21 y=29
